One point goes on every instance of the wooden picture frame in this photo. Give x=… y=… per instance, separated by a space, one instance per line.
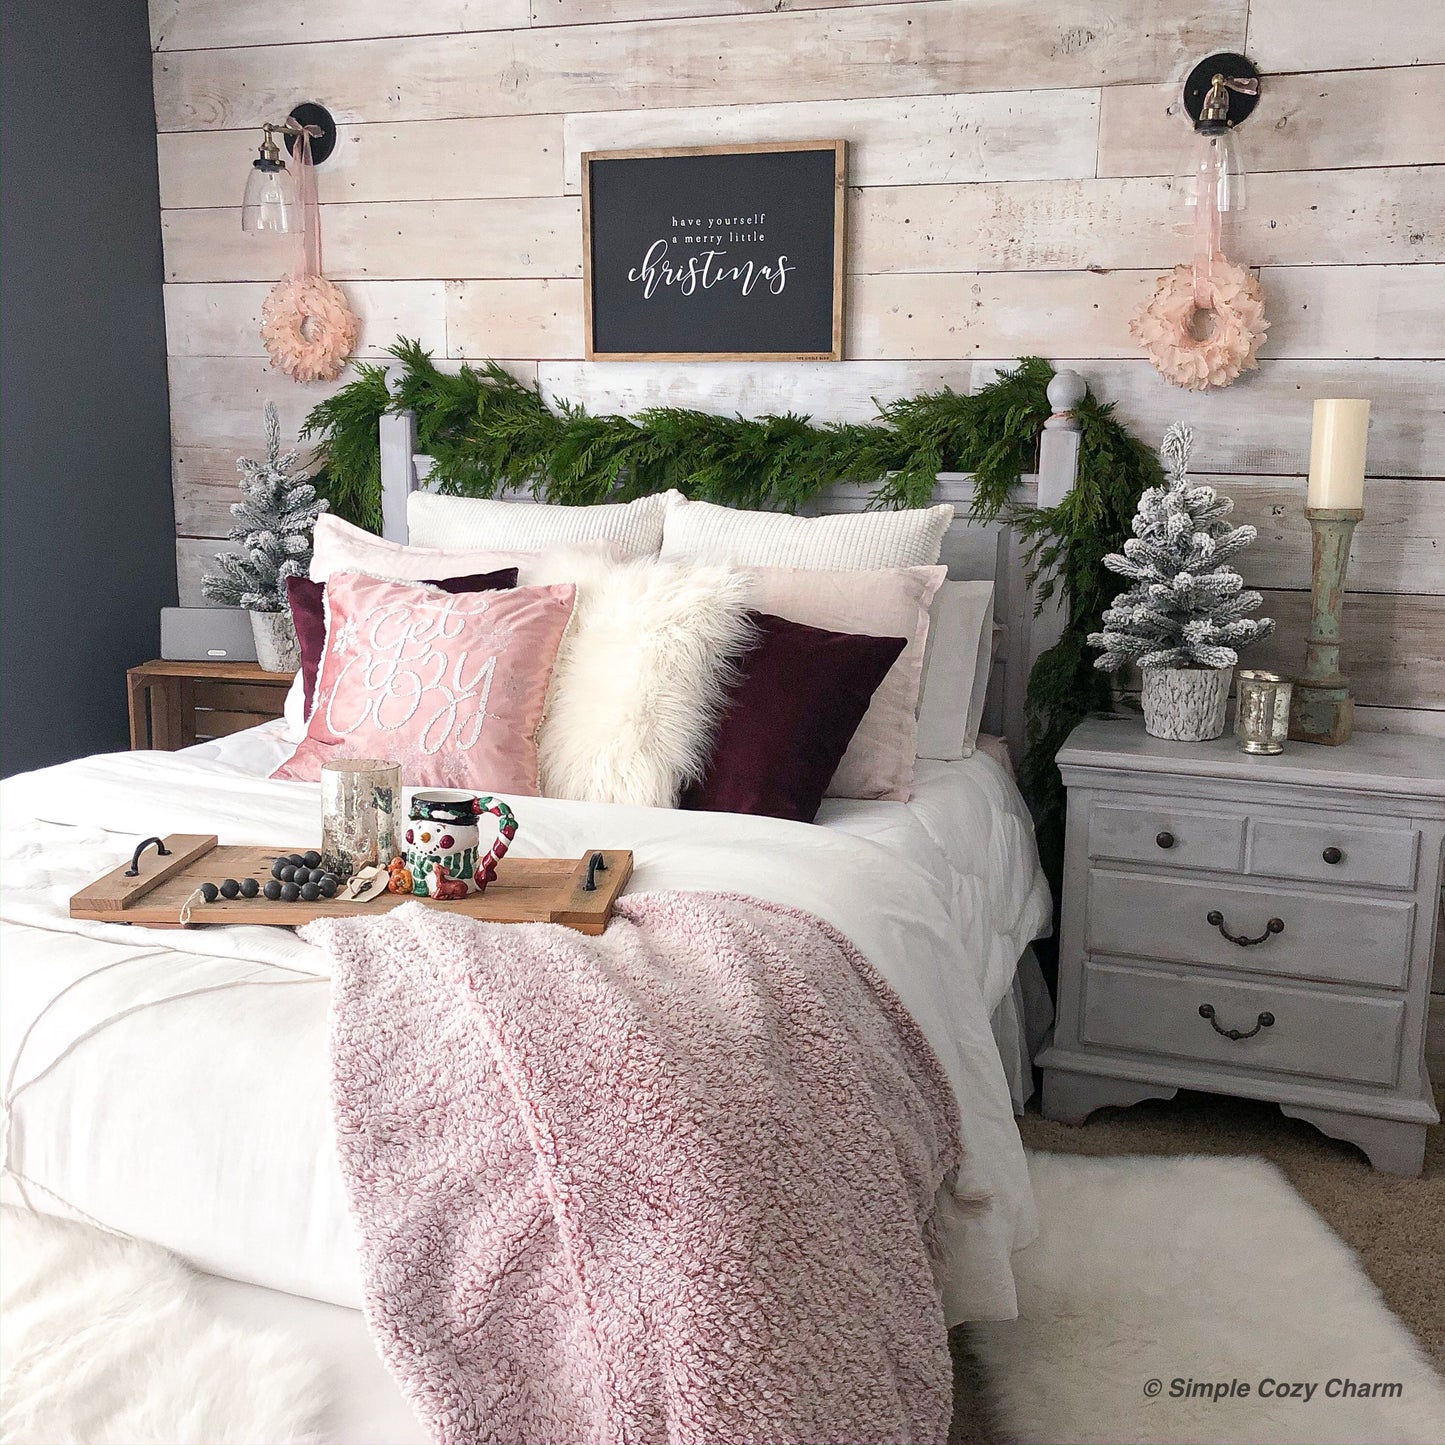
x=833 y=351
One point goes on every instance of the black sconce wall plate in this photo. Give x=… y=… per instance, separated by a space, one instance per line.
x=308 y=113
x=1232 y=67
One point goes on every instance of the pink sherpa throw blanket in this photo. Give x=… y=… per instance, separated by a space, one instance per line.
x=675 y=1183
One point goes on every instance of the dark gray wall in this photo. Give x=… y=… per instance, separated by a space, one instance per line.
x=87 y=556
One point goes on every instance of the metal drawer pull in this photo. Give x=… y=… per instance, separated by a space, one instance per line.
x=1333 y=855
x=1264 y=1021
x=1165 y=839
x=1215 y=919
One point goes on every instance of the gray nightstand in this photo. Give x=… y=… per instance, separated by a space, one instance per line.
x=1251 y=925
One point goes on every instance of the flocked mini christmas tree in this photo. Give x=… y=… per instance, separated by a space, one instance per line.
x=1188 y=606
x=274 y=519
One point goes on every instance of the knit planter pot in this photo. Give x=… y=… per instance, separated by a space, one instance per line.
x=277 y=649
x=1186 y=704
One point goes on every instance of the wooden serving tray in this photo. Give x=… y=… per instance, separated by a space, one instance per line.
x=526 y=890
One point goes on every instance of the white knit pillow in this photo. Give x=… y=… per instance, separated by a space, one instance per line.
x=846 y=542
x=641 y=678
x=436 y=521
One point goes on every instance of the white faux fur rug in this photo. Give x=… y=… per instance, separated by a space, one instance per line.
x=1160 y=1288
x=101 y=1342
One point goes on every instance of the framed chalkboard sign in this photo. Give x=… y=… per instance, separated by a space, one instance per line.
x=715 y=253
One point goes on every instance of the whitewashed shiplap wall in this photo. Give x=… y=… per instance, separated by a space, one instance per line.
x=1011 y=168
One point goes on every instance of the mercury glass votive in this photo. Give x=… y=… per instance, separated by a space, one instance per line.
x=360 y=799
x=1261 y=718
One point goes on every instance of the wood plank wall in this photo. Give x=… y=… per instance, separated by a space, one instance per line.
x=1012 y=191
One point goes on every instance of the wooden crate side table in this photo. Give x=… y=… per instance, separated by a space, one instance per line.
x=175 y=704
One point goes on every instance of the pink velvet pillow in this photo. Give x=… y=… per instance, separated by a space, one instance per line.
x=452 y=687
x=307 y=600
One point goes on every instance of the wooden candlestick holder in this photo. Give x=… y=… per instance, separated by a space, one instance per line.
x=1322 y=710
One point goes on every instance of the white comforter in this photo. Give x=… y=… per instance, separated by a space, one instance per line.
x=173 y=1085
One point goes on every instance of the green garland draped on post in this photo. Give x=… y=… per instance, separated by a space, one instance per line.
x=488 y=434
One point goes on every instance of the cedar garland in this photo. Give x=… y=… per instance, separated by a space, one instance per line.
x=490 y=434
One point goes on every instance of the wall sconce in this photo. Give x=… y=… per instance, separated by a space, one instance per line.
x=1205 y=321
x=1220 y=93
x=270 y=203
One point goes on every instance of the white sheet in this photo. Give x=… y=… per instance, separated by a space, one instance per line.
x=954 y=805
x=173 y=1086
x=966 y=826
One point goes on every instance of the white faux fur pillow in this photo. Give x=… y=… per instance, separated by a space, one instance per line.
x=641 y=677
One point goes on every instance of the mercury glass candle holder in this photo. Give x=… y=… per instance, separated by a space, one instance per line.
x=1261 y=717
x=359 y=802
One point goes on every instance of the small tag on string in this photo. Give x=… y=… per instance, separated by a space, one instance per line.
x=365 y=884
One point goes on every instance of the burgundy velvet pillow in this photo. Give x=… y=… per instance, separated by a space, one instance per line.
x=801 y=693
x=308 y=612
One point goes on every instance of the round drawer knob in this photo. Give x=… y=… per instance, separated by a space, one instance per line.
x=1333 y=855
x=1165 y=839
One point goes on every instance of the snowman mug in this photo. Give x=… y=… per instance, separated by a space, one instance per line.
x=443 y=851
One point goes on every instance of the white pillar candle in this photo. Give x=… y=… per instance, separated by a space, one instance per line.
x=1337 y=454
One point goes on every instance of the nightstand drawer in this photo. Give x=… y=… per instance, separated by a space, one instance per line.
x=1179 y=837
x=1185 y=920
x=1327 y=850
x=1327 y=1034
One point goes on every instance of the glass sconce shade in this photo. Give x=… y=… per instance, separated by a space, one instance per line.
x=270 y=202
x=1215 y=159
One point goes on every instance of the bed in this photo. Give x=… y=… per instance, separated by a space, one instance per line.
x=173 y=1086
x=104 y=1025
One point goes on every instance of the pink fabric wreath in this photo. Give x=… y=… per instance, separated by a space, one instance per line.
x=1163 y=325
x=308 y=328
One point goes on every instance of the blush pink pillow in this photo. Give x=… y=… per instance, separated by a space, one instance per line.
x=338 y=546
x=891 y=602
x=451 y=686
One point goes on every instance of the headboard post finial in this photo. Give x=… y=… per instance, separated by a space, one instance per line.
x=1065 y=392
x=1059 y=444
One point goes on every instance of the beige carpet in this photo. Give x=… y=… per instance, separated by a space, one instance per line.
x=1396 y=1226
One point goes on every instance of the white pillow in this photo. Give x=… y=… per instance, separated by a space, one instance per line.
x=437 y=521
x=846 y=542
x=889 y=602
x=956 y=669
x=641 y=678
x=294 y=711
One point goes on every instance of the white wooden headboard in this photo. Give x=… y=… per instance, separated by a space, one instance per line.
x=972 y=551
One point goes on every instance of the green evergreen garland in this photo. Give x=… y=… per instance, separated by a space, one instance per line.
x=489 y=434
